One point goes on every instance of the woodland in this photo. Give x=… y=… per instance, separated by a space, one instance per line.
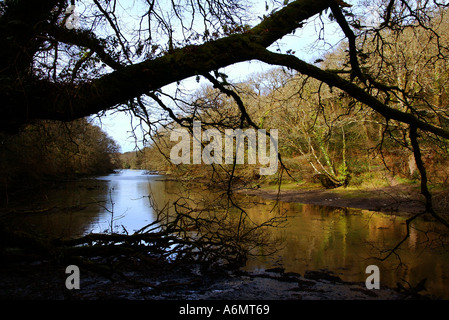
x=369 y=109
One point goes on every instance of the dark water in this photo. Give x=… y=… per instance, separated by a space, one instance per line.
x=314 y=237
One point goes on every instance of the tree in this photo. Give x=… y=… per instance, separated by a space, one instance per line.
x=49 y=71
x=39 y=82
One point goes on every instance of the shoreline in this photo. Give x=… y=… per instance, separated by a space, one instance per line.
x=397 y=200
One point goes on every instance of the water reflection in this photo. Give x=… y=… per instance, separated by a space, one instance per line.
x=346 y=241
x=341 y=240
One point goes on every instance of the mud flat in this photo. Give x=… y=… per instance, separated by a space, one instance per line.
x=400 y=199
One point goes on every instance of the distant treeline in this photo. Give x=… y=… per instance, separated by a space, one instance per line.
x=49 y=150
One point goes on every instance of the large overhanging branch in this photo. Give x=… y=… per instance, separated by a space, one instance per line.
x=334 y=80
x=83 y=38
x=41 y=99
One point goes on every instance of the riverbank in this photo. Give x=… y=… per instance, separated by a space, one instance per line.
x=401 y=199
x=46 y=281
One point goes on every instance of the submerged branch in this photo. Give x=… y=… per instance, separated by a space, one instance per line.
x=193 y=234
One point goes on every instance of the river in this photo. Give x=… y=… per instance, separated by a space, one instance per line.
x=341 y=240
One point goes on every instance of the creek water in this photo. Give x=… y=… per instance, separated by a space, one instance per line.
x=344 y=241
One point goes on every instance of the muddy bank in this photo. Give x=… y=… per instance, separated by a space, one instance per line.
x=400 y=199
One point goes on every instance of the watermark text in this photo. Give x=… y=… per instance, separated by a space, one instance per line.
x=256 y=147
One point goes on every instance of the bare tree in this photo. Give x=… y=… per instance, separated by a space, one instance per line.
x=49 y=71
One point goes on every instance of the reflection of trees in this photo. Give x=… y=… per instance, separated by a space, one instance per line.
x=346 y=240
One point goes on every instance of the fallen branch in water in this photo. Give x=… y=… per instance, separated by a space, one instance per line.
x=182 y=234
